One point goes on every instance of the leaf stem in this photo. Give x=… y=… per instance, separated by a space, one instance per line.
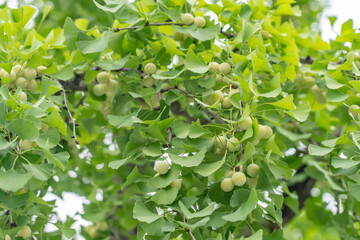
x=148 y=25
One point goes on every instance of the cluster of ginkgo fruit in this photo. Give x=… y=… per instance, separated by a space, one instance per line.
x=306 y=81
x=162 y=167
x=106 y=84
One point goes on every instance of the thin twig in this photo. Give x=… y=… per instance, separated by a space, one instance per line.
x=186 y=229
x=169 y=137
x=68 y=110
x=148 y=25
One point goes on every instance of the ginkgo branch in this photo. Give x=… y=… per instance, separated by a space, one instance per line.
x=148 y=25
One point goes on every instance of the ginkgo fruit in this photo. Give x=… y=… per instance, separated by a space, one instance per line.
x=148 y=81
x=176 y=183
x=214 y=66
x=220 y=151
x=103 y=77
x=40 y=70
x=226 y=103
x=200 y=21
x=101 y=226
x=32 y=85
x=268 y=132
x=252 y=170
x=161 y=167
x=220 y=142
x=91 y=230
x=227 y=185
x=262 y=131
x=7 y=237
x=219 y=78
x=225 y=68
x=232 y=92
x=238 y=178
x=308 y=81
x=17 y=69
x=216 y=96
x=155 y=101
x=99 y=89
x=23 y=96
x=229 y=174
x=233 y=144
x=246 y=123
x=150 y=68
x=44 y=127
x=29 y=73
x=4 y=73
x=24 y=232
x=111 y=85
x=187 y=18
x=178 y=36
x=25 y=145
x=21 y=82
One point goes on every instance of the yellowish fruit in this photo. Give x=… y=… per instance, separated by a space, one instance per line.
x=226 y=103
x=24 y=232
x=187 y=18
x=40 y=70
x=25 y=145
x=150 y=68
x=233 y=144
x=44 y=127
x=238 y=178
x=232 y=92
x=220 y=142
x=178 y=36
x=261 y=132
x=32 y=85
x=200 y=21
x=229 y=174
x=265 y=35
x=103 y=77
x=214 y=66
x=111 y=86
x=268 y=132
x=17 y=69
x=216 y=95
x=155 y=101
x=101 y=226
x=91 y=231
x=176 y=183
x=29 y=73
x=308 y=81
x=4 y=73
x=23 y=96
x=21 y=82
x=246 y=123
x=225 y=68
x=252 y=170
x=256 y=140
x=219 y=78
x=220 y=151
x=99 y=89
x=161 y=167
x=227 y=185
x=148 y=81
x=7 y=237
x=357 y=64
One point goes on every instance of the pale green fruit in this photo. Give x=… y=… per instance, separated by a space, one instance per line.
x=308 y=81
x=265 y=35
x=44 y=127
x=256 y=140
x=220 y=151
x=226 y=103
x=91 y=231
x=103 y=77
x=219 y=78
x=25 y=145
x=158 y=72
x=101 y=226
x=12 y=74
x=29 y=73
x=233 y=144
x=252 y=181
x=316 y=90
x=261 y=132
x=232 y=92
x=178 y=36
x=109 y=95
x=165 y=85
x=199 y=21
x=238 y=178
x=352 y=110
x=111 y=86
x=23 y=96
x=32 y=85
x=21 y=82
x=268 y=131
x=214 y=66
x=40 y=70
x=150 y=68
x=229 y=174
x=4 y=73
x=297 y=77
x=227 y=185
x=161 y=167
x=220 y=142
x=246 y=123
x=216 y=95
x=225 y=68
x=17 y=69
x=176 y=183
x=24 y=232
x=99 y=89
x=252 y=170
x=187 y=18
x=7 y=237
x=357 y=64
x=321 y=98
x=155 y=100
x=148 y=81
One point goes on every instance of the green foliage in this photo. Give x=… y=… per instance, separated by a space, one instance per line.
x=241 y=128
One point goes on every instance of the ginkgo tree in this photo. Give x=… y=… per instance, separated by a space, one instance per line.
x=192 y=119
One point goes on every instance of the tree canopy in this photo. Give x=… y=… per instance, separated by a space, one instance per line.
x=192 y=119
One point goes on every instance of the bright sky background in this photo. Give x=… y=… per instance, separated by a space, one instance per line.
x=71 y=204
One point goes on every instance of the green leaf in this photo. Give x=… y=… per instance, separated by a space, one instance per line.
x=124 y=121
x=318 y=151
x=195 y=64
x=2 y=114
x=164 y=180
x=271 y=145
x=256 y=236
x=301 y=112
x=13 y=181
x=209 y=168
x=49 y=86
x=242 y=212
x=191 y=161
x=71 y=33
x=165 y=196
x=331 y=82
x=354 y=189
x=248 y=152
x=202 y=213
x=143 y=214
x=294 y=137
x=205 y=34
x=286 y=103
x=67 y=232
x=55 y=120
x=25 y=128
x=48 y=139
x=111 y=5
x=61 y=159
x=65 y=74
x=246 y=31
x=41 y=171
x=94 y=46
